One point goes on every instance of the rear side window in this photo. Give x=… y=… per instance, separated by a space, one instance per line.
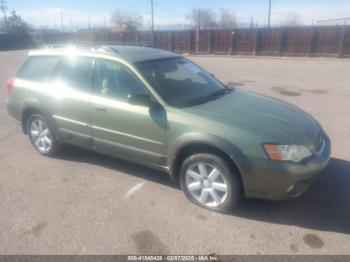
x=74 y=72
x=38 y=68
x=114 y=80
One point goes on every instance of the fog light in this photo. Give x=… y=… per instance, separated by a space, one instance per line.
x=298 y=188
x=290 y=189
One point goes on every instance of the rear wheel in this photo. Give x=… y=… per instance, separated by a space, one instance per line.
x=41 y=135
x=210 y=182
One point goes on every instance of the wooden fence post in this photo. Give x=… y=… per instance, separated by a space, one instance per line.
x=122 y=38
x=137 y=38
x=171 y=40
x=197 y=42
x=189 y=41
x=157 y=40
x=256 y=47
x=341 y=42
x=312 y=40
x=209 y=42
x=232 y=40
x=280 y=51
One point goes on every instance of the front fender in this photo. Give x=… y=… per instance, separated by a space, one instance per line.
x=195 y=138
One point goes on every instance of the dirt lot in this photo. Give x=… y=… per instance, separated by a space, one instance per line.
x=85 y=203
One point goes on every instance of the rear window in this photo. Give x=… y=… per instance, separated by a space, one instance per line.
x=38 y=68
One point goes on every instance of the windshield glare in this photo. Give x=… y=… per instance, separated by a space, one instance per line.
x=179 y=81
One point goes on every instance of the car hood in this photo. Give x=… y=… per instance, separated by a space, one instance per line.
x=274 y=120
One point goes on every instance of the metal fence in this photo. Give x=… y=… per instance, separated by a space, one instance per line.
x=290 y=41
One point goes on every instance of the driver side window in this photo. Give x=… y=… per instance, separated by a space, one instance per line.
x=114 y=80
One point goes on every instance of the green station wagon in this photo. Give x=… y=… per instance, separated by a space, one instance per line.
x=159 y=109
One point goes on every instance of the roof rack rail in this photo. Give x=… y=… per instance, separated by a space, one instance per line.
x=83 y=47
x=54 y=46
x=105 y=48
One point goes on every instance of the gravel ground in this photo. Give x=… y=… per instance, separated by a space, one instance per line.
x=85 y=203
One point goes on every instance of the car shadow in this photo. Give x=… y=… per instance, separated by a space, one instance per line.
x=325 y=206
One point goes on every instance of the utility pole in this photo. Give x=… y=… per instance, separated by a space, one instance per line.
x=152 y=22
x=104 y=22
x=89 y=22
x=4 y=8
x=269 y=19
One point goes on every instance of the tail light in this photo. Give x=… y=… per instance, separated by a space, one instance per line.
x=10 y=84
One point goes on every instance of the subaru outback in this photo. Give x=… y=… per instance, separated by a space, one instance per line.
x=159 y=109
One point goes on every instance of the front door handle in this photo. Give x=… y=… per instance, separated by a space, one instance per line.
x=100 y=108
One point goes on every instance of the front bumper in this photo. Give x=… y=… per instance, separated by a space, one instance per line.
x=279 y=180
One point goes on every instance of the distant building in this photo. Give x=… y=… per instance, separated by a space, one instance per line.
x=338 y=21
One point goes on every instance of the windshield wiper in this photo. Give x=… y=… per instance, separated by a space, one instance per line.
x=216 y=94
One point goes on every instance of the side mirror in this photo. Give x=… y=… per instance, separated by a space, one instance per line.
x=139 y=99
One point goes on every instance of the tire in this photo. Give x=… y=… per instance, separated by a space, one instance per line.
x=219 y=190
x=41 y=135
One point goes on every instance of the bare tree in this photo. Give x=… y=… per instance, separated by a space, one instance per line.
x=202 y=18
x=14 y=24
x=293 y=20
x=126 y=20
x=227 y=19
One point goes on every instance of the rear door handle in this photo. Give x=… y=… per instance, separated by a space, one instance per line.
x=100 y=108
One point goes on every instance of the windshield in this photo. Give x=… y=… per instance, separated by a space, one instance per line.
x=181 y=82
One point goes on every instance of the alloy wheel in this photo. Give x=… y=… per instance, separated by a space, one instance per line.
x=41 y=135
x=206 y=184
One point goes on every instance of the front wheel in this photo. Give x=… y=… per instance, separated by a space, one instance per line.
x=41 y=135
x=210 y=181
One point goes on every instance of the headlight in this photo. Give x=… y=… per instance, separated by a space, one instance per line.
x=294 y=153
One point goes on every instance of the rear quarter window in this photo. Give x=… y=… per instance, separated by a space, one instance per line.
x=75 y=72
x=38 y=68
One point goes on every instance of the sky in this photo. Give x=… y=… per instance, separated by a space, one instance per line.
x=77 y=12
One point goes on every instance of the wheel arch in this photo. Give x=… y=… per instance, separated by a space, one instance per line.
x=33 y=107
x=199 y=143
